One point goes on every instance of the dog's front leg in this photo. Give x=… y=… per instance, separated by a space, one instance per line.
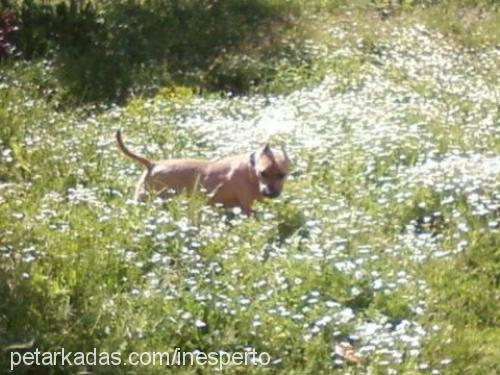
x=248 y=211
x=245 y=204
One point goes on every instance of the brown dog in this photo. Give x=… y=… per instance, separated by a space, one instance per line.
x=236 y=181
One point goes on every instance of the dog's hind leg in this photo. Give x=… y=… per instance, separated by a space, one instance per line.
x=140 y=188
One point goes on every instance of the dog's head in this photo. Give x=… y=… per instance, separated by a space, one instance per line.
x=271 y=168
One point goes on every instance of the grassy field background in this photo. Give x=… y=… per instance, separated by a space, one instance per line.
x=386 y=237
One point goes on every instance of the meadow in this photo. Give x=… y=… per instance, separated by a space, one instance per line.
x=387 y=236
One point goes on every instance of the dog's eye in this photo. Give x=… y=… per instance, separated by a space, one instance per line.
x=281 y=176
x=264 y=174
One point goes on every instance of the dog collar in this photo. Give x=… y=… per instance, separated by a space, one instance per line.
x=252 y=159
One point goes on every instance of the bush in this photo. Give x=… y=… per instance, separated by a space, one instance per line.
x=7 y=28
x=103 y=49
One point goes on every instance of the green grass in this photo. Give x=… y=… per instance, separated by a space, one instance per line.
x=469 y=286
x=82 y=268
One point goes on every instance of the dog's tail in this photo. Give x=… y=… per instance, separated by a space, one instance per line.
x=141 y=159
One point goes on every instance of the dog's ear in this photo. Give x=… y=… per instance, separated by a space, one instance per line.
x=266 y=149
x=285 y=155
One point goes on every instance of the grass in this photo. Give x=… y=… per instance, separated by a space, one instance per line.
x=470 y=287
x=386 y=236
